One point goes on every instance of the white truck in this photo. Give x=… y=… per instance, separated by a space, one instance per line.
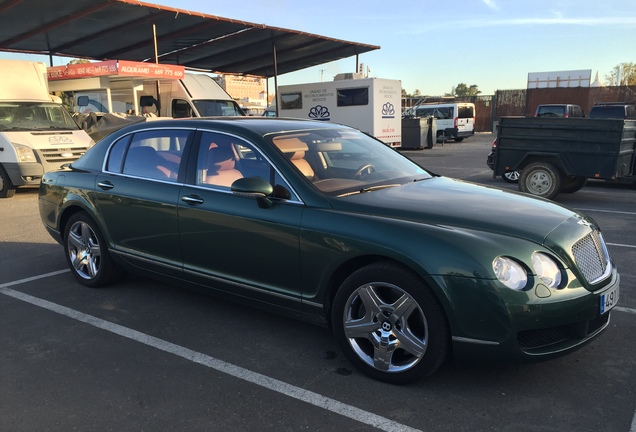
x=137 y=88
x=36 y=133
x=372 y=105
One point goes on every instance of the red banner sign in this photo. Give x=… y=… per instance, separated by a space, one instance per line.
x=114 y=68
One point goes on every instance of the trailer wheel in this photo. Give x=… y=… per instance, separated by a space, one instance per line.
x=572 y=184
x=7 y=190
x=541 y=179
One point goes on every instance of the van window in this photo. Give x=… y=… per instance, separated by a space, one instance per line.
x=465 y=112
x=291 y=100
x=353 y=96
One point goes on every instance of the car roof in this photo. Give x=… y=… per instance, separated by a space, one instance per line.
x=256 y=124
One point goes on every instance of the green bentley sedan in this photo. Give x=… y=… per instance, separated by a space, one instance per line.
x=324 y=223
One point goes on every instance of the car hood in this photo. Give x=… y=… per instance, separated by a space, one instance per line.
x=455 y=203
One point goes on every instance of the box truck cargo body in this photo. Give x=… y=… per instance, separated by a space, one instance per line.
x=141 y=88
x=36 y=133
x=372 y=105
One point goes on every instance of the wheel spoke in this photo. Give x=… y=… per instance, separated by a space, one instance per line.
x=403 y=308
x=372 y=303
x=383 y=352
x=410 y=343
x=75 y=240
x=361 y=328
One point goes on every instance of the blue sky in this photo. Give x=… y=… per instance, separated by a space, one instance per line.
x=434 y=45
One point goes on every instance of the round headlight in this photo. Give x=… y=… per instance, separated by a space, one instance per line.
x=510 y=273
x=546 y=269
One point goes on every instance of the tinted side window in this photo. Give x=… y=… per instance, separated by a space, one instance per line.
x=223 y=159
x=156 y=154
x=353 y=96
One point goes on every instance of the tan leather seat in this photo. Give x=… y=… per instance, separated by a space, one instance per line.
x=295 y=149
x=221 y=165
x=298 y=159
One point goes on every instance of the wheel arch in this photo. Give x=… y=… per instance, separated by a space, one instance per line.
x=354 y=264
x=550 y=158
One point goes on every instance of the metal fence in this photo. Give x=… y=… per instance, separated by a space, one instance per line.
x=524 y=102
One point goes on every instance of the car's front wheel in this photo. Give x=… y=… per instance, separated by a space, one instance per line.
x=390 y=324
x=87 y=254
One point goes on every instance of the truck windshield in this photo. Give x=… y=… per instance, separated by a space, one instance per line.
x=210 y=108
x=32 y=116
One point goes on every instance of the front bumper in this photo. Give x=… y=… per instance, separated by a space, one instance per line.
x=24 y=174
x=525 y=327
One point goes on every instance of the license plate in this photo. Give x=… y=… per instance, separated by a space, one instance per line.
x=609 y=300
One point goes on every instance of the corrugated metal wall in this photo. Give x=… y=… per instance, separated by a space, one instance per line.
x=524 y=102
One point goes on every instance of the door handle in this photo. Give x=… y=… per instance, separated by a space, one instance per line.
x=192 y=199
x=106 y=185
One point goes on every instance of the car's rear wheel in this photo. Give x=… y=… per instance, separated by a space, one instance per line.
x=511 y=176
x=541 y=179
x=390 y=324
x=87 y=254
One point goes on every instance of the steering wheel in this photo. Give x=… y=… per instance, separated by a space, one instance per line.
x=369 y=168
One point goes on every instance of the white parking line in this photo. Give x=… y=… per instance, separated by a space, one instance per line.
x=607 y=211
x=273 y=384
x=621 y=245
x=281 y=387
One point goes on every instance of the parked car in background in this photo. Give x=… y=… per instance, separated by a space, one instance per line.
x=323 y=222
x=559 y=110
x=615 y=110
x=511 y=176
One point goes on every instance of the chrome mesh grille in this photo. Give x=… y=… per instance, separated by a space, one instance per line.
x=591 y=256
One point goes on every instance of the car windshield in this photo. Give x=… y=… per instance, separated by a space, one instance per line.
x=33 y=116
x=208 y=108
x=344 y=162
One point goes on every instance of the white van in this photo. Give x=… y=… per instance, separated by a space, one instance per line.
x=137 y=88
x=36 y=133
x=455 y=120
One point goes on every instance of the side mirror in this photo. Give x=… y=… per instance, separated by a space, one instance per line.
x=254 y=187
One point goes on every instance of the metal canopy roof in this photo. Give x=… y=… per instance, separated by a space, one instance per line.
x=123 y=30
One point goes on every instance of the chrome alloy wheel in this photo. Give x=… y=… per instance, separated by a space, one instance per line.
x=83 y=250
x=385 y=327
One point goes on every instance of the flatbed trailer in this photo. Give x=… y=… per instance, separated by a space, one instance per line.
x=559 y=155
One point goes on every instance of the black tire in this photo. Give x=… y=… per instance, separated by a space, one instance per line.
x=459 y=139
x=572 y=184
x=511 y=176
x=385 y=302
x=541 y=179
x=7 y=190
x=86 y=253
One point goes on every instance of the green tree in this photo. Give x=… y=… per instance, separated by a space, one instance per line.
x=464 y=90
x=628 y=75
x=67 y=97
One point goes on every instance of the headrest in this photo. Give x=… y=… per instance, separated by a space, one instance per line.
x=290 y=145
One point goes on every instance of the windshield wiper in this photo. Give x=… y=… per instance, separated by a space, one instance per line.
x=369 y=189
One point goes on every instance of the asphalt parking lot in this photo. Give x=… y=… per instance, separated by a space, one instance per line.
x=146 y=356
